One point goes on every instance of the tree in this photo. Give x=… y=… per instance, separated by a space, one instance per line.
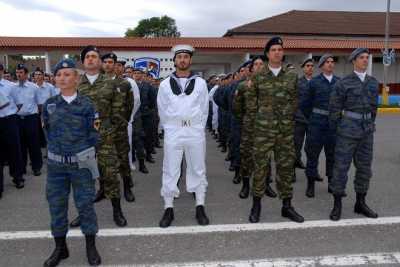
x=154 y=27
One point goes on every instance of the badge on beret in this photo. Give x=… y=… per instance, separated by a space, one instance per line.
x=65 y=65
x=51 y=108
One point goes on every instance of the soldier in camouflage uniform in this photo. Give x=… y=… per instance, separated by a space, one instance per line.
x=109 y=103
x=276 y=92
x=69 y=123
x=121 y=134
x=352 y=112
x=244 y=108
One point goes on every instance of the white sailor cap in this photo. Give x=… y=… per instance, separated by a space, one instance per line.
x=178 y=49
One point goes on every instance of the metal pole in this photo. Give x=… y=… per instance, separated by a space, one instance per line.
x=385 y=68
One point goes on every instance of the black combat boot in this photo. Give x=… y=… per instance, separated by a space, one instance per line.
x=318 y=178
x=19 y=182
x=149 y=158
x=100 y=193
x=60 y=252
x=167 y=218
x=255 y=210
x=336 y=212
x=142 y=166
x=244 y=193
x=91 y=251
x=127 y=189
x=224 y=148
x=299 y=164
x=269 y=191
x=236 y=179
x=289 y=212
x=75 y=222
x=361 y=207
x=310 y=191
x=201 y=216
x=119 y=218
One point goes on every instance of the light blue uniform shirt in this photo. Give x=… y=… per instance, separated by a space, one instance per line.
x=27 y=96
x=7 y=91
x=46 y=90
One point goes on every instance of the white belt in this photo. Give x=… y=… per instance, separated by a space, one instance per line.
x=184 y=122
x=62 y=159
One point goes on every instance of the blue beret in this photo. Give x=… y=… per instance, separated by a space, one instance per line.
x=87 y=49
x=109 y=55
x=305 y=61
x=64 y=64
x=323 y=59
x=273 y=41
x=21 y=66
x=357 y=52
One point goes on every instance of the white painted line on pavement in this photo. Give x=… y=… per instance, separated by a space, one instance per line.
x=176 y=230
x=336 y=260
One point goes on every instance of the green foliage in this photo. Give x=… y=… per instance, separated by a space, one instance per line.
x=154 y=27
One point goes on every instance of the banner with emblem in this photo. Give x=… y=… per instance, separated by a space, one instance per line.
x=152 y=65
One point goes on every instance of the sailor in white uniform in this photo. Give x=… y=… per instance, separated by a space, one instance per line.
x=183 y=103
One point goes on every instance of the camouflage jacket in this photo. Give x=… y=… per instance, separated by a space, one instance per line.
x=125 y=88
x=108 y=101
x=276 y=100
x=69 y=127
x=351 y=94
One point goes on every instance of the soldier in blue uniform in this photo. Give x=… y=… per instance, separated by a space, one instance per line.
x=300 y=128
x=10 y=142
x=352 y=112
x=315 y=106
x=70 y=125
x=28 y=99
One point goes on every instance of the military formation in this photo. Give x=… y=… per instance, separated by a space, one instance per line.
x=101 y=124
x=264 y=113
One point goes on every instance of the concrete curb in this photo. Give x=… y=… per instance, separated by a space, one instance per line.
x=389 y=110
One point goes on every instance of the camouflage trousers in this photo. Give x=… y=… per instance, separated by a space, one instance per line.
x=246 y=155
x=60 y=178
x=360 y=151
x=282 y=145
x=108 y=163
x=122 y=147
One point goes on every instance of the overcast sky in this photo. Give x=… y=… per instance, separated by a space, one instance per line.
x=92 y=18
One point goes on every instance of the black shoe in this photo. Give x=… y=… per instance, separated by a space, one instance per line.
x=237 y=179
x=37 y=173
x=294 y=177
x=224 y=149
x=231 y=168
x=255 y=210
x=19 y=183
x=310 y=191
x=60 y=253
x=142 y=167
x=167 y=218
x=100 y=195
x=299 y=164
x=336 y=212
x=362 y=208
x=201 y=216
x=318 y=178
x=92 y=254
x=127 y=189
x=244 y=193
x=75 y=222
x=149 y=158
x=289 y=212
x=270 y=192
x=118 y=216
